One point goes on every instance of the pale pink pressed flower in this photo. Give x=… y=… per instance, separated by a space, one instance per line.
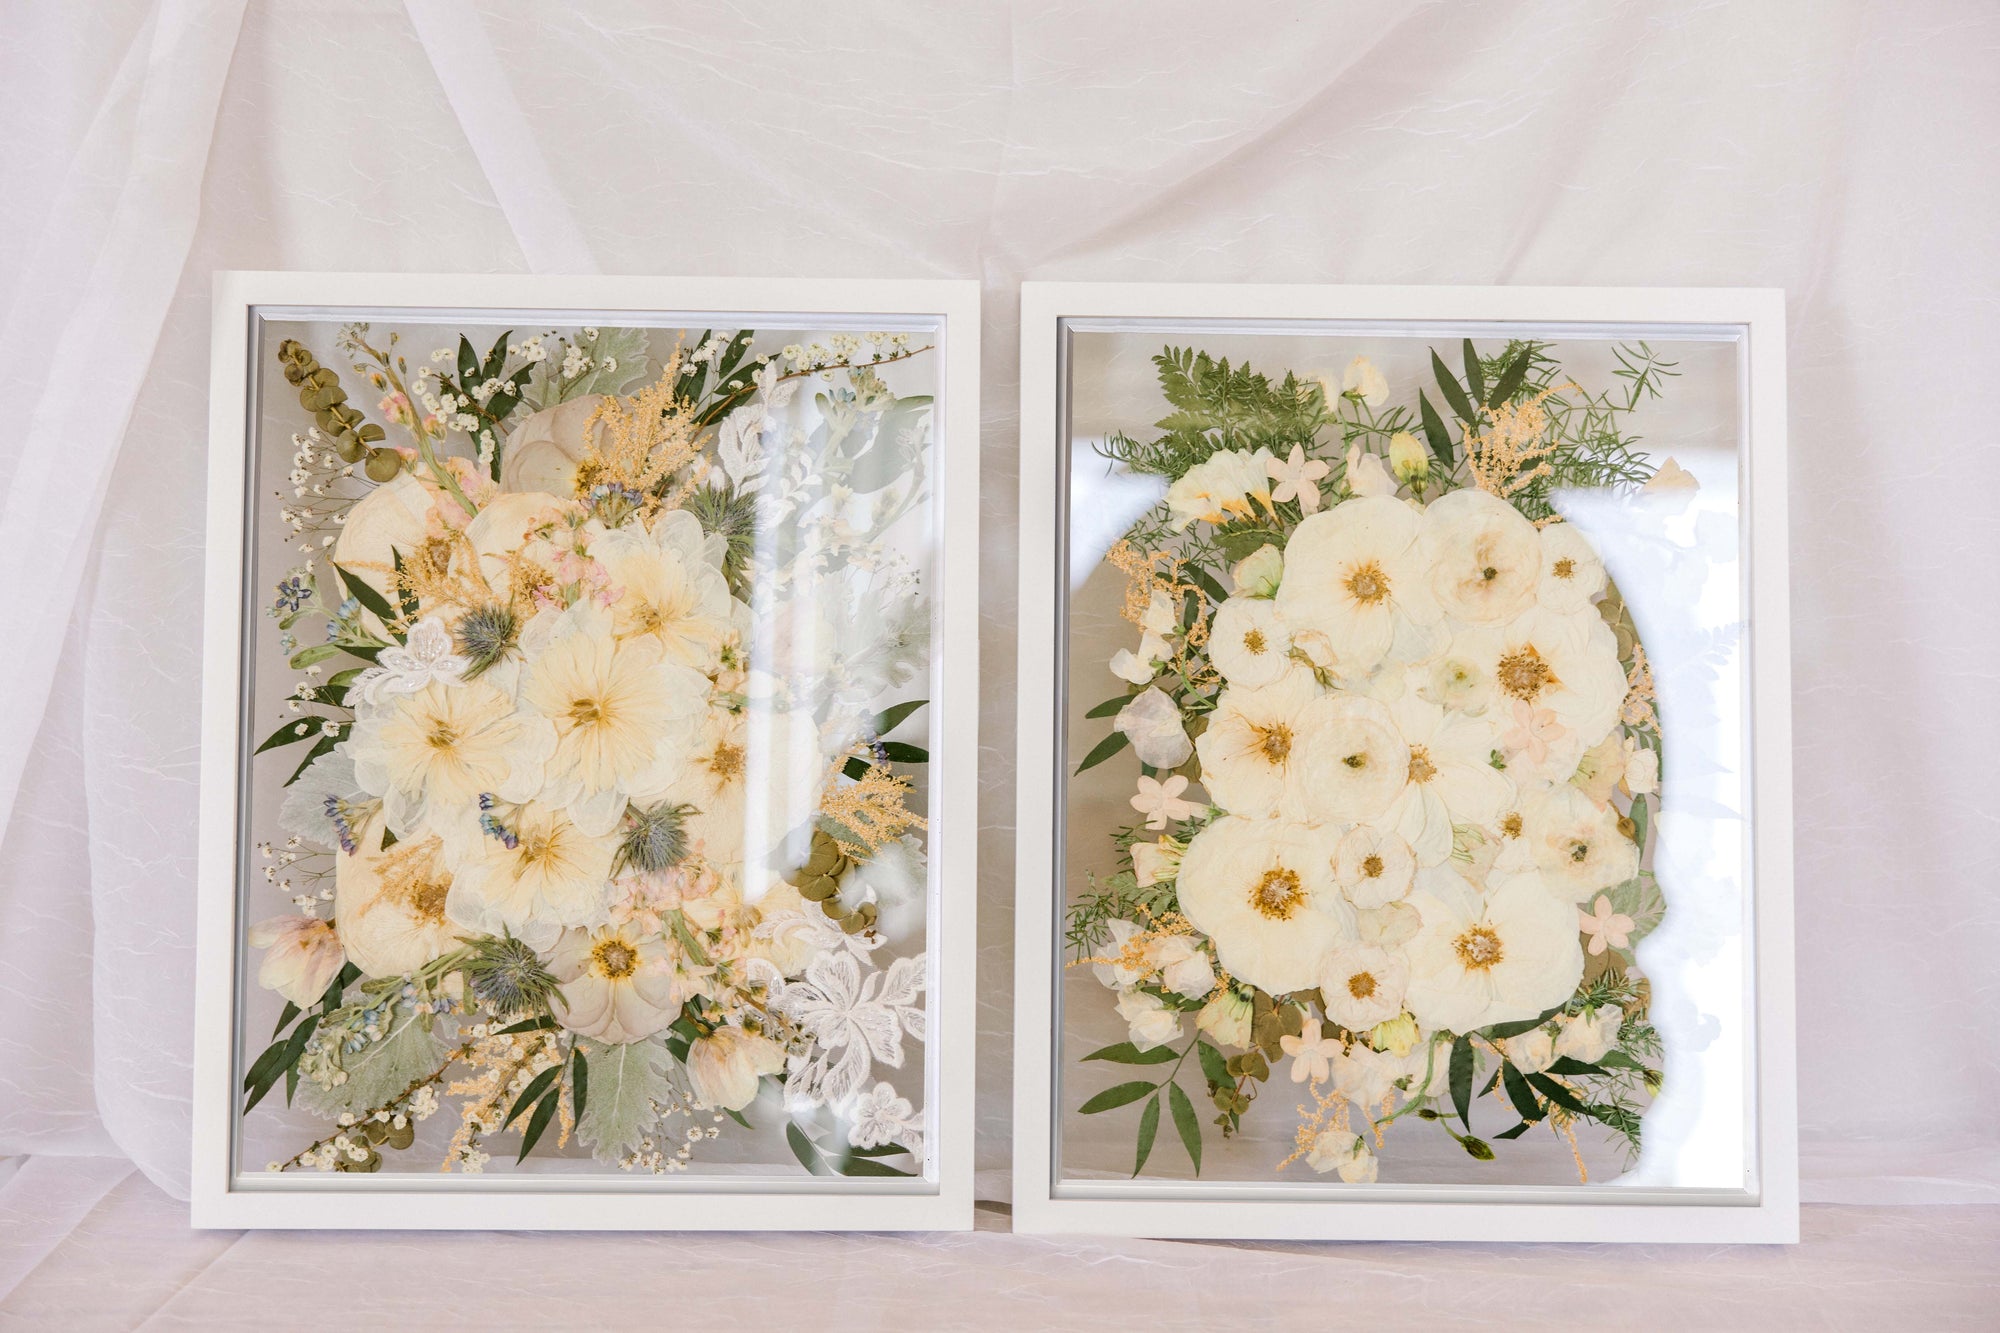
x=1534 y=729
x=1297 y=478
x=1604 y=926
x=304 y=956
x=1160 y=801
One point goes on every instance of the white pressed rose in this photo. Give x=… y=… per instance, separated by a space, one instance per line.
x=1262 y=890
x=1252 y=753
x=1642 y=771
x=303 y=955
x=1184 y=966
x=1154 y=725
x=1577 y=845
x=553 y=875
x=666 y=588
x=1484 y=558
x=1355 y=763
x=1451 y=776
x=1372 y=866
x=1343 y=1151
x=1353 y=573
x=1258 y=574
x=1531 y=1052
x=1454 y=679
x=1226 y=1019
x=542 y=452
x=1226 y=485
x=724 y=1067
x=1150 y=1021
x=1572 y=572
x=1589 y=1036
x=1601 y=769
x=624 y=716
x=1362 y=985
x=617 y=985
x=1249 y=642
x=1366 y=475
x=1389 y=926
x=1408 y=458
x=1365 y=1076
x=1511 y=955
x=1364 y=380
x=432 y=754
x=391 y=906
x=1564 y=667
x=389 y=520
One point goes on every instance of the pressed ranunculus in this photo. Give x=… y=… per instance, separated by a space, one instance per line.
x=1256 y=746
x=1485 y=560
x=1263 y=891
x=1572 y=572
x=618 y=985
x=1249 y=642
x=1150 y=1022
x=1577 y=845
x=1353 y=573
x=1509 y=955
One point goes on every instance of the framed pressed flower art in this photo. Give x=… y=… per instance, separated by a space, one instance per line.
x=588 y=754
x=1404 y=838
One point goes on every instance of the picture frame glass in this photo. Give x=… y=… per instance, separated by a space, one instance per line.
x=1403 y=814
x=584 y=820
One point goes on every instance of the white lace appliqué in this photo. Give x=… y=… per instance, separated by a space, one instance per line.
x=426 y=657
x=852 y=1021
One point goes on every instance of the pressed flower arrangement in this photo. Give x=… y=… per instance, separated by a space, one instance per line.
x=1398 y=761
x=594 y=837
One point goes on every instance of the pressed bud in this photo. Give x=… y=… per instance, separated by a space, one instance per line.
x=1408 y=458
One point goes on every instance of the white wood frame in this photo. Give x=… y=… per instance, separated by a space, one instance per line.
x=1767 y=1212
x=222 y=1197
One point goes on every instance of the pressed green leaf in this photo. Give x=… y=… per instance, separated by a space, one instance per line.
x=538 y=1122
x=1214 y=1066
x=1565 y=1065
x=1454 y=395
x=1149 y=1129
x=1499 y=1032
x=625 y=1083
x=1206 y=582
x=496 y=358
x=285 y=1015
x=542 y=1024
x=1461 y=1077
x=1510 y=379
x=579 y=1083
x=1642 y=819
x=298 y=729
x=1111 y=707
x=1475 y=378
x=324 y=745
x=1434 y=431
x=1122 y=1095
x=1557 y=1093
x=881 y=1150
x=1519 y=1093
x=1516 y=1132
x=536 y=1087
x=737 y=1116
x=889 y=719
x=863 y=1166
x=802 y=1148
x=468 y=364
x=358 y=589
x=898 y=752
x=1620 y=1060
x=1105 y=748
x=1187 y=1122
x=855 y=768
x=1125 y=1053
x=319 y=652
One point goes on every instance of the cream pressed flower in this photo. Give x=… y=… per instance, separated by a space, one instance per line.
x=1642 y=771
x=1362 y=986
x=617 y=985
x=1262 y=890
x=1160 y=801
x=1226 y=1019
x=1362 y=379
x=432 y=754
x=1565 y=666
x=725 y=1067
x=751 y=775
x=1511 y=955
x=1451 y=776
x=1589 y=1036
x=1365 y=1076
x=1577 y=845
x=1226 y=485
x=303 y=955
x=623 y=717
x=391 y=905
x=1366 y=476
x=1356 y=762
x=1453 y=679
x=667 y=589
x=1249 y=642
x=1297 y=478
x=1150 y=1022
x=553 y=874
x=390 y=519
x=1531 y=1052
x=542 y=453
x=1373 y=867
x=1156 y=862
x=1342 y=1151
x=1258 y=574
x=1485 y=559
x=1408 y=458
x=1572 y=571
x=1183 y=965
x=1255 y=747
x=1153 y=724
x=1352 y=573
x=1312 y=1055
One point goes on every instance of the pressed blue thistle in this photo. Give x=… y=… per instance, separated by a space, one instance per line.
x=484 y=636
x=655 y=837
x=507 y=977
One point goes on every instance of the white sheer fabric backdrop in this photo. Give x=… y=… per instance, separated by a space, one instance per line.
x=1841 y=151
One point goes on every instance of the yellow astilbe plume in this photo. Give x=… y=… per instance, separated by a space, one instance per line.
x=646 y=439
x=872 y=809
x=1148 y=572
x=1512 y=449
